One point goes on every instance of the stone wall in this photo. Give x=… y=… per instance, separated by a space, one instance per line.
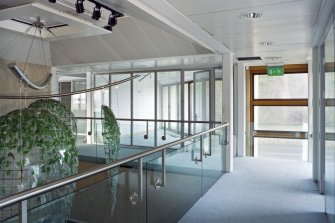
x=10 y=85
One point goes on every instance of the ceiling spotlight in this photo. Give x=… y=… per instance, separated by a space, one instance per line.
x=109 y=28
x=112 y=20
x=96 y=12
x=52 y=1
x=251 y=15
x=80 y=6
x=266 y=43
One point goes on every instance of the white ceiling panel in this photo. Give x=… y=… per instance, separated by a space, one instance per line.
x=183 y=48
x=264 y=26
x=131 y=39
x=137 y=38
x=191 y=7
x=120 y=44
x=268 y=49
x=158 y=39
x=270 y=12
x=289 y=24
x=248 y=40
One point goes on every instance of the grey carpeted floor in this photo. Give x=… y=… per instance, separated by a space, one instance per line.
x=262 y=190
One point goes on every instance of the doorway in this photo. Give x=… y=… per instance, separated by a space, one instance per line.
x=278 y=113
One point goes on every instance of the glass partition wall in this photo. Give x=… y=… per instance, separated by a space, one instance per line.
x=153 y=109
x=159 y=106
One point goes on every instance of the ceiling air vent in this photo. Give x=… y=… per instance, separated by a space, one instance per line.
x=248 y=58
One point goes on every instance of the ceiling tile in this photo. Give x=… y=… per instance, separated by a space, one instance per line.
x=189 y=7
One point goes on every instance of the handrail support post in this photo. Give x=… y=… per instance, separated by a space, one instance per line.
x=140 y=177
x=23 y=211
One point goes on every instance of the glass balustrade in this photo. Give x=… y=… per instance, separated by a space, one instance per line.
x=157 y=185
x=136 y=136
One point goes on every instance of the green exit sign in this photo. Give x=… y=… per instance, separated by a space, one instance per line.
x=275 y=70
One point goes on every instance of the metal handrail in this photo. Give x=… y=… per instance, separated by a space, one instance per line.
x=151 y=120
x=69 y=93
x=24 y=195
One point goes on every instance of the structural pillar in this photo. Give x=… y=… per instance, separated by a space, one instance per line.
x=241 y=112
x=228 y=107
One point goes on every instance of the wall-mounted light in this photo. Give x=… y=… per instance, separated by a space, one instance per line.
x=96 y=12
x=80 y=6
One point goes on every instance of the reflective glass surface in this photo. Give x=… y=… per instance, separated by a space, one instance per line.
x=281 y=118
x=287 y=86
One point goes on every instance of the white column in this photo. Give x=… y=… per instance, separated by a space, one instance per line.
x=228 y=107
x=241 y=111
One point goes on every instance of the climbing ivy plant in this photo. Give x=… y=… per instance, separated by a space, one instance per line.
x=58 y=109
x=35 y=147
x=111 y=138
x=110 y=133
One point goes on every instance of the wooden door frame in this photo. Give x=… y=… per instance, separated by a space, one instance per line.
x=252 y=102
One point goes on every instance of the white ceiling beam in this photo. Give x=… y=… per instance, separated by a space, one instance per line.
x=323 y=22
x=167 y=14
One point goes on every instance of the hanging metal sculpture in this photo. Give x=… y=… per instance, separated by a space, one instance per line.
x=38 y=25
x=22 y=77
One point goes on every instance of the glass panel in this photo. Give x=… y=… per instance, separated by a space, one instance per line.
x=170 y=134
x=97 y=132
x=168 y=106
x=295 y=149
x=188 y=100
x=198 y=99
x=82 y=131
x=182 y=188
x=98 y=199
x=124 y=195
x=65 y=87
x=78 y=101
x=201 y=96
x=140 y=130
x=213 y=159
x=168 y=95
x=125 y=137
x=120 y=96
x=330 y=124
x=218 y=94
x=143 y=96
x=287 y=86
x=281 y=118
x=100 y=97
x=9 y=214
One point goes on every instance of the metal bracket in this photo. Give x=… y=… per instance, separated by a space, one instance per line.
x=158 y=183
x=196 y=160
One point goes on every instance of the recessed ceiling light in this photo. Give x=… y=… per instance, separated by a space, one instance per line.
x=266 y=43
x=251 y=15
x=272 y=58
